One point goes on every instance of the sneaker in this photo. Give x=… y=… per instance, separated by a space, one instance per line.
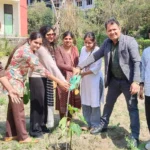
x=45 y=129
x=101 y=128
x=98 y=129
x=133 y=142
x=147 y=146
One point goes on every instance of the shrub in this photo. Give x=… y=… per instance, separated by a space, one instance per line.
x=143 y=44
x=39 y=15
x=100 y=38
x=80 y=43
x=2 y=101
x=5 y=47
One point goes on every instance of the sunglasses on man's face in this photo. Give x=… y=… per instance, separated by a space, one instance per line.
x=51 y=34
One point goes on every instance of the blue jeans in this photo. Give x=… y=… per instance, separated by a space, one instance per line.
x=115 y=88
x=91 y=115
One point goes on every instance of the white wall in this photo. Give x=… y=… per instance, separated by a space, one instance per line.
x=16 y=16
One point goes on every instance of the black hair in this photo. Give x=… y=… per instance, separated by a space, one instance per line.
x=44 y=30
x=111 y=21
x=90 y=35
x=33 y=36
x=71 y=35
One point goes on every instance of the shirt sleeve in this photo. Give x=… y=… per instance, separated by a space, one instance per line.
x=143 y=64
x=33 y=62
x=48 y=62
x=95 y=67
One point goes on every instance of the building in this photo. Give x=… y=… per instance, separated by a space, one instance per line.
x=13 y=18
x=83 y=4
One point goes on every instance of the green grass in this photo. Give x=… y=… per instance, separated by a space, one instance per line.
x=2 y=101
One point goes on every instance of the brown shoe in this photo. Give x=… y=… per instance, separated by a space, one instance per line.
x=29 y=140
x=7 y=139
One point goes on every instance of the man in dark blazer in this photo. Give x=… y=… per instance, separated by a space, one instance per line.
x=122 y=75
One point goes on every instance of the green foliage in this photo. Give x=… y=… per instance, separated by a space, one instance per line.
x=39 y=15
x=100 y=38
x=2 y=101
x=5 y=47
x=132 y=15
x=80 y=43
x=72 y=110
x=130 y=144
x=72 y=128
x=143 y=44
x=26 y=96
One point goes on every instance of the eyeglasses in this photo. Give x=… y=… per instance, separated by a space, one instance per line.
x=51 y=34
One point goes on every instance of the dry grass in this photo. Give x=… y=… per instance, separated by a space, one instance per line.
x=114 y=139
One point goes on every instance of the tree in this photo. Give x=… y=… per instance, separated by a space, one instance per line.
x=70 y=17
x=132 y=15
x=39 y=15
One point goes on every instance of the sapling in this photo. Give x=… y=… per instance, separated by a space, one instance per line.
x=72 y=128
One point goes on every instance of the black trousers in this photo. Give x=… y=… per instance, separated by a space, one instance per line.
x=147 y=110
x=38 y=105
x=115 y=88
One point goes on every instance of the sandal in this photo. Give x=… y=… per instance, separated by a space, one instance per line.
x=29 y=140
x=7 y=139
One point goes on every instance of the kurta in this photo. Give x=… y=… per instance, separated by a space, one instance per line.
x=91 y=91
x=66 y=61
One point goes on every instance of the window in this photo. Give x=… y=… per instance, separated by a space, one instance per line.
x=8 y=19
x=79 y=4
x=89 y=2
x=56 y=4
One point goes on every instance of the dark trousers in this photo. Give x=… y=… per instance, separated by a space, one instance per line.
x=147 y=110
x=115 y=88
x=38 y=105
x=15 y=124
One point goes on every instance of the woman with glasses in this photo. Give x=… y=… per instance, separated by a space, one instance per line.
x=42 y=90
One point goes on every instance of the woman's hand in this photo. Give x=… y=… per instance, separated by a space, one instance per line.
x=64 y=85
x=76 y=71
x=14 y=96
x=82 y=74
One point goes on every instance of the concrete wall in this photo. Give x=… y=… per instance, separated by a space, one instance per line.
x=16 y=16
x=23 y=18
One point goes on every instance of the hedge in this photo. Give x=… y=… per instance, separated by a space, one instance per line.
x=143 y=44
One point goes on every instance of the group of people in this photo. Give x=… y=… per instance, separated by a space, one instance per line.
x=46 y=63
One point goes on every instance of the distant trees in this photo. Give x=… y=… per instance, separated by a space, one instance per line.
x=133 y=15
x=39 y=15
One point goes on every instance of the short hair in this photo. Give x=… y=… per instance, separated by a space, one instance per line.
x=111 y=21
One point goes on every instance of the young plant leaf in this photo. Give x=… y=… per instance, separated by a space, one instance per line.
x=81 y=118
x=75 y=128
x=62 y=123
